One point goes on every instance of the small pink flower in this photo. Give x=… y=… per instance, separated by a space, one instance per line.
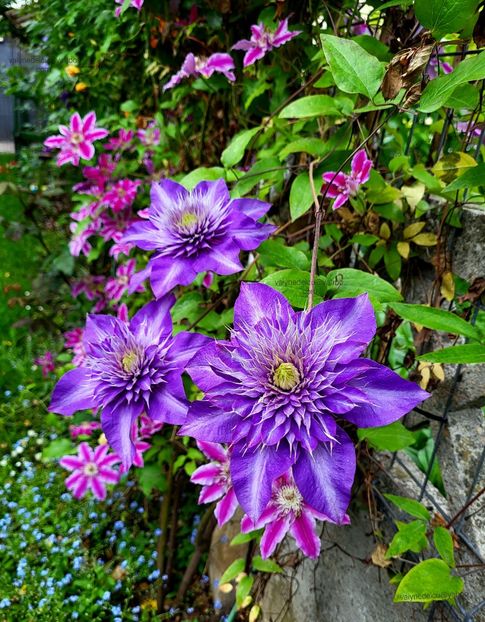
x=136 y=4
x=215 y=480
x=120 y=142
x=120 y=248
x=263 y=40
x=91 y=286
x=202 y=66
x=149 y=427
x=76 y=141
x=74 y=341
x=86 y=428
x=90 y=469
x=341 y=186
x=46 y=362
x=150 y=136
x=118 y=285
x=287 y=512
x=121 y=194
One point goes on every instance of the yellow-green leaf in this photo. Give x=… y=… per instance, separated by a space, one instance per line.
x=411 y=230
x=425 y=239
x=452 y=165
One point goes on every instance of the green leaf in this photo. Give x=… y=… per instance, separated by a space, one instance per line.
x=468 y=353
x=437 y=319
x=243 y=588
x=444 y=17
x=276 y=253
x=151 y=477
x=440 y=89
x=364 y=239
x=464 y=96
x=294 y=285
x=202 y=174
x=58 y=448
x=234 y=152
x=265 y=565
x=232 y=571
x=443 y=542
x=390 y=437
x=429 y=580
x=301 y=197
x=242 y=538
x=409 y=537
x=311 y=106
x=471 y=178
x=410 y=506
x=313 y=146
x=346 y=282
x=354 y=70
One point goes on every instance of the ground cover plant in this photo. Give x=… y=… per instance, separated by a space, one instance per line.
x=209 y=249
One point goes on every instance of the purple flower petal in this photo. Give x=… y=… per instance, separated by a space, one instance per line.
x=254 y=208
x=166 y=273
x=117 y=423
x=207 y=422
x=257 y=301
x=325 y=477
x=153 y=320
x=253 y=472
x=354 y=320
x=186 y=345
x=389 y=396
x=73 y=392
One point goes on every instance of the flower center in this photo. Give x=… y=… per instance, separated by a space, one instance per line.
x=76 y=138
x=286 y=376
x=129 y=361
x=288 y=499
x=188 y=220
x=90 y=469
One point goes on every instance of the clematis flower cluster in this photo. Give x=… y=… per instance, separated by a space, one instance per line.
x=275 y=394
x=203 y=66
x=340 y=186
x=264 y=40
x=76 y=141
x=130 y=368
x=195 y=231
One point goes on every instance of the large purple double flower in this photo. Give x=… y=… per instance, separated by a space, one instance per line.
x=195 y=231
x=130 y=368
x=272 y=393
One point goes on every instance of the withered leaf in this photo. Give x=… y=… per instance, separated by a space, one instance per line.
x=405 y=69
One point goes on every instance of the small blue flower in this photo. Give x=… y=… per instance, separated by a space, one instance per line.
x=106 y=596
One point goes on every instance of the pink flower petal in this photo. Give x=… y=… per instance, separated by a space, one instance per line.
x=273 y=535
x=303 y=530
x=226 y=507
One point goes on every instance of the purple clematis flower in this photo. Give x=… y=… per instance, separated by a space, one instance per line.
x=130 y=369
x=195 y=231
x=216 y=481
x=76 y=141
x=203 y=66
x=263 y=40
x=287 y=512
x=341 y=186
x=273 y=390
